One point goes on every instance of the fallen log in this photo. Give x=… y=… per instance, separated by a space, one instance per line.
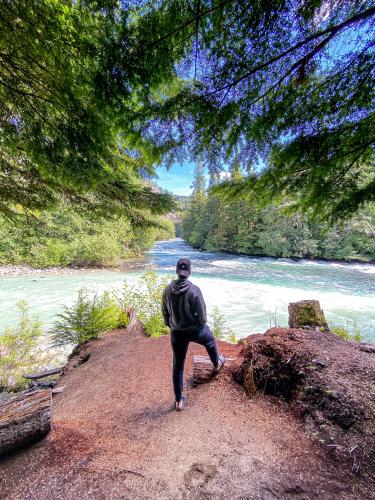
x=203 y=370
x=24 y=419
x=44 y=374
x=366 y=347
x=306 y=313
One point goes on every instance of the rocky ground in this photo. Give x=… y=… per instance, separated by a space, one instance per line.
x=116 y=435
x=15 y=270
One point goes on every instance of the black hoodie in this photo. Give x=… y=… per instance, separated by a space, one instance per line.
x=183 y=306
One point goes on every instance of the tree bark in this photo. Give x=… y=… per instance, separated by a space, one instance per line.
x=46 y=373
x=24 y=419
x=249 y=382
x=306 y=313
x=203 y=370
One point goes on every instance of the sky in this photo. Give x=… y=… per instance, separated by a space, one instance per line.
x=177 y=179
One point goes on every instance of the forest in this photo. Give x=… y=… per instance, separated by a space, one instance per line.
x=212 y=222
x=63 y=237
x=95 y=95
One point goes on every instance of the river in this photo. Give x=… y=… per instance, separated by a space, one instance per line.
x=246 y=289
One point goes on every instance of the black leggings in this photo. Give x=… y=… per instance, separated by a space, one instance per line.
x=180 y=343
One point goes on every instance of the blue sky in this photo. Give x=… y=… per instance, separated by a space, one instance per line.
x=177 y=179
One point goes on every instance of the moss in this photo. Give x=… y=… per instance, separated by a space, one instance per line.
x=308 y=315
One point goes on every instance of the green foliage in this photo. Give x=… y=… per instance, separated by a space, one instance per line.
x=308 y=315
x=20 y=351
x=244 y=226
x=192 y=223
x=231 y=337
x=283 y=85
x=146 y=298
x=95 y=94
x=90 y=316
x=350 y=332
x=73 y=82
x=219 y=326
x=63 y=237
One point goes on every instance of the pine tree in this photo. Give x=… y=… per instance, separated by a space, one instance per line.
x=193 y=225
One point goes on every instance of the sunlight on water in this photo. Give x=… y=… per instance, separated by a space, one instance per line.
x=245 y=288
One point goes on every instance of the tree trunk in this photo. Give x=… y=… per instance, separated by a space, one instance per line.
x=203 y=370
x=24 y=419
x=44 y=374
x=306 y=313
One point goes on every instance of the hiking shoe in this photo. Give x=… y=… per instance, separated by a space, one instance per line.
x=220 y=364
x=179 y=405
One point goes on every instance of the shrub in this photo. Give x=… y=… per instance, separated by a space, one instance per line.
x=51 y=253
x=351 y=332
x=97 y=250
x=219 y=326
x=232 y=337
x=20 y=351
x=146 y=297
x=90 y=316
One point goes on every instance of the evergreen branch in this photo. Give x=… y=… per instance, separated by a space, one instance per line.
x=190 y=21
x=331 y=31
x=30 y=94
x=337 y=181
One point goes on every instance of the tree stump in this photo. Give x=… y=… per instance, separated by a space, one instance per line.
x=306 y=313
x=24 y=419
x=203 y=370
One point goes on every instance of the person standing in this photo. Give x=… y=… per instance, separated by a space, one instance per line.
x=184 y=312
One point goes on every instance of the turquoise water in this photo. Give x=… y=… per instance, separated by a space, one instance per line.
x=245 y=288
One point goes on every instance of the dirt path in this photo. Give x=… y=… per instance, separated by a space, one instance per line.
x=116 y=435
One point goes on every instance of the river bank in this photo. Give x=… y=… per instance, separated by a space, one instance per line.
x=17 y=270
x=137 y=263
x=293 y=259
x=115 y=433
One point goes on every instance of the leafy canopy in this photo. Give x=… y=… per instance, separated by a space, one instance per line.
x=62 y=237
x=284 y=89
x=71 y=81
x=93 y=93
